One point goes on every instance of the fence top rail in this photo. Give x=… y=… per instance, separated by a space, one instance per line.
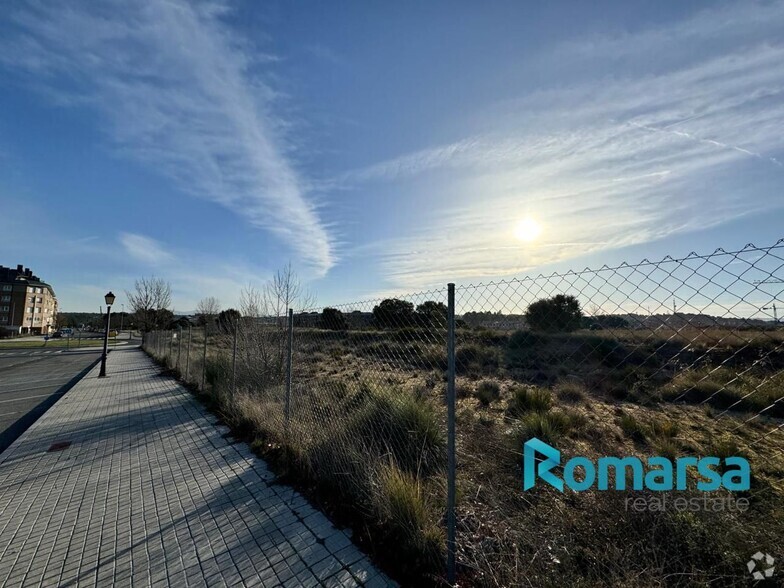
x=776 y=251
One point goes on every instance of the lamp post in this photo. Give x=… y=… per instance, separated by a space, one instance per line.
x=109 y=298
x=122 y=317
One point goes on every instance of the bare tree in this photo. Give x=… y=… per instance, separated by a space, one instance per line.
x=285 y=291
x=252 y=302
x=207 y=309
x=149 y=302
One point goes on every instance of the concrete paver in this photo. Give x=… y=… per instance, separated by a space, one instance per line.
x=151 y=492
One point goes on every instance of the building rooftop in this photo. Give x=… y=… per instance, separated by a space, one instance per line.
x=22 y=274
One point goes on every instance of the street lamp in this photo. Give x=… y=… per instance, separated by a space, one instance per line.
x=109 y=298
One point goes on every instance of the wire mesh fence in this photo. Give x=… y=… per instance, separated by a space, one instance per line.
x=669 y=358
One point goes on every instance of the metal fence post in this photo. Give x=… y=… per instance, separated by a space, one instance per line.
x=287 y=405
x=450 y=403
x=204 y=359
x=179 y=345
x=234 y=360
x=188 y=356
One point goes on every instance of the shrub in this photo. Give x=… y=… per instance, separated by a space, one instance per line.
x=217 y=371
x=476 y=358
x=487 y=391
x=525 y=399
x=394 y=423
x=333 y=319
x=432 y=314
x=522 y=348
x=393 y=314
x=228 y=319
x=559 y=314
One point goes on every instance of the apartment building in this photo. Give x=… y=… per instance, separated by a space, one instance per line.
x=27 y=304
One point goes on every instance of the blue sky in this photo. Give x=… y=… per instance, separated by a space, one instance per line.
x=381 y=147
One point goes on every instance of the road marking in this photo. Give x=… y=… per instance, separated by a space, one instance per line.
x=31 y=388
x=26 y=398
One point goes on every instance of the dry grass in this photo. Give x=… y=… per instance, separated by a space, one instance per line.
x=367 y=433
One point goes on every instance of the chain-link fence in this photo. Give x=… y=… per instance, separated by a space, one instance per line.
x=408 y=415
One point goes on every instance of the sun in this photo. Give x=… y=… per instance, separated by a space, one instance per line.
x=527 y=229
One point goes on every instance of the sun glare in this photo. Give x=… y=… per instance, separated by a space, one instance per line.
x=527 y=229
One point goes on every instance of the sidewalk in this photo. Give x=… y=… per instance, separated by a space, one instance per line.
x=149 y=492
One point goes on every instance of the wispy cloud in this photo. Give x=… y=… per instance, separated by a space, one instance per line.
x=144 y=249
x=183 y=94
x=184 y=269
x=603 y=163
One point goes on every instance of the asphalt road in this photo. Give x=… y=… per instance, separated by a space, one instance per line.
x=31 y=380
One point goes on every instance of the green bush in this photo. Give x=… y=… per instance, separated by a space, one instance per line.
x=523 y=348
x=474 y=358
x=559 y=314
x=525 y=399
x=487 y=392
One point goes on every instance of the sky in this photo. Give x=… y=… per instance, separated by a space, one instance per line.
x=381 y=147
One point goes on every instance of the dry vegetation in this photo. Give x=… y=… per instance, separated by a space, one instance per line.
x=367 y=436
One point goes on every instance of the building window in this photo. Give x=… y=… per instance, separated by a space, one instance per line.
x=39 y=290
x=6 y=298
x=40 y=300
x=31 y=290
x=29 y=310
x=3 y=319
x=7 y=287
x=4 y=308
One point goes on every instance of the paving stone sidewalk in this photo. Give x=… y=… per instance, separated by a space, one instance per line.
x=150 y=492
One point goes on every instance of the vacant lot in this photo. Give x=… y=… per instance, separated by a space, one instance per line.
x=366 y=432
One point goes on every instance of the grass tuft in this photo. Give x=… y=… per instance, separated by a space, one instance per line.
x=632 y=428
x=525 y=399
x=570 y=391
x=487 y=392
x=546 y=426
